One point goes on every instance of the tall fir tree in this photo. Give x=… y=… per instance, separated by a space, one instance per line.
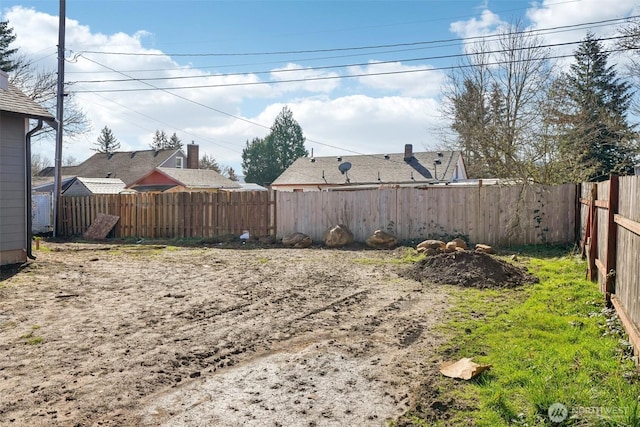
x=7 y=36
x=263 y=160
x=594 y=118
x=174 y=143
x=107 y=142
x=160 y=140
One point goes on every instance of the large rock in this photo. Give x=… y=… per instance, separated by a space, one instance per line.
x=436 y=245
x=460 y=243
x=382 y=240
x=338 y=236
x=297 y=240
x=484 y=248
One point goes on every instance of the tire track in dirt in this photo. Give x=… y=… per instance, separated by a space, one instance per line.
x=146 y=324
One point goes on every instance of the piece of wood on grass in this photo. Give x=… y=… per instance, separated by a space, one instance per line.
x=463 y=368
x=100 y=227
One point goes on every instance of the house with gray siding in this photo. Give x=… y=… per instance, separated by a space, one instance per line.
x=16 y=113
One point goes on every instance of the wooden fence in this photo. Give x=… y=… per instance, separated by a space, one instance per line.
x=173 y=215
x=503 y=215
x=610 y=235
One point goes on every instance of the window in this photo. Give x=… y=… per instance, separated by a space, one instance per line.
x=179 y=162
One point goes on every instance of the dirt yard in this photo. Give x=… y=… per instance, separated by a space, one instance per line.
x=148 y=335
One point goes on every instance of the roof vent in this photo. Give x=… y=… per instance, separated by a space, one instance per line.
x=133 y=154
x=440 y=154
x=312 y=160
x=387 y=157
x=340 y=158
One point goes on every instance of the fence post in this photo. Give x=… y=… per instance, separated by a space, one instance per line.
x=612 y=236
x=592 y=239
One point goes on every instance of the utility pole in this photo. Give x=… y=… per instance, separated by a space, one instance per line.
x=59 y=114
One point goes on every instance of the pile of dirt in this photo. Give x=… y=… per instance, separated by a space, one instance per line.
x=469 y=269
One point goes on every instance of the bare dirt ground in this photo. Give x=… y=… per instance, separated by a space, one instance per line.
x=147 y=335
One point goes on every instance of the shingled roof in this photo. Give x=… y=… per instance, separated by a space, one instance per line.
x=199 y=178
x=188 y=178
x=126 y=165
x=375 y=169
x=12 y=100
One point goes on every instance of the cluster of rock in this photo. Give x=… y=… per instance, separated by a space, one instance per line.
x=339 y=236
x=433 y=247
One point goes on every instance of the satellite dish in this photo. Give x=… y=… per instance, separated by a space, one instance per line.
x=344 y=167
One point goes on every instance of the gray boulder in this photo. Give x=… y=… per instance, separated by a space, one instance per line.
x=338 y=236
x=382 y=240
x=297 y=240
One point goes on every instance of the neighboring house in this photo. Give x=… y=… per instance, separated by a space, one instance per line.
x=80 y=186
x=375 y=170
x=15 y=170
x=130 y=166
x=172 y=180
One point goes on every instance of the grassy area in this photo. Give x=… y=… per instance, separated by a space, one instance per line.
x=550 y=343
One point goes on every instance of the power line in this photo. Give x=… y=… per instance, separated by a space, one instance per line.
x=323 y=78
x=342 y=49
x=328 y=67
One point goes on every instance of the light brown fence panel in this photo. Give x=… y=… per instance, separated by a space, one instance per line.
x=627 y=280
x=507 y=215
x=172 y=215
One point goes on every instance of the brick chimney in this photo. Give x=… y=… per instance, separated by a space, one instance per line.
x=193 y=156
x=408 y=152
x=4 y=80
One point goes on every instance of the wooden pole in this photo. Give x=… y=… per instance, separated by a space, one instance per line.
x=612 y=236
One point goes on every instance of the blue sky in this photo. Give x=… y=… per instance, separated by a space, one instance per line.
x=350 y=94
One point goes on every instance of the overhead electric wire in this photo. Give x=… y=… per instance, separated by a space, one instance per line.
x=322 y=78
x=170 y=89
x=342 y=49
x=542 y=31
x=327 y=67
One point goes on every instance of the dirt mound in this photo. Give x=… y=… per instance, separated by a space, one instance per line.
x=470 y=269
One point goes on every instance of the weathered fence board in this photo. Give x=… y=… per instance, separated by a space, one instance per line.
x=504 y=215
x=611 y=236
x=172 y=215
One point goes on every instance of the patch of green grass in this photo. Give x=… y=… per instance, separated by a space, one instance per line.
x=553 y=342
x=30 y=338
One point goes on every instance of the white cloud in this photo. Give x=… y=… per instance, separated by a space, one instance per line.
x=488 y=23
x=408 y=80
x=407 y=113
x=318 y=81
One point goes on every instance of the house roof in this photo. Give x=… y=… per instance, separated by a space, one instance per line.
x=13 y=100
x=191 y=178
x=371 y=169
x=102 y=185
x=126 y=165
x=94 y=185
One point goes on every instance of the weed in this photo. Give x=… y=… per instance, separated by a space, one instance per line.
x=30 y=338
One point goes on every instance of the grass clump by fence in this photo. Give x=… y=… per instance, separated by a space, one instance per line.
x=552 y=345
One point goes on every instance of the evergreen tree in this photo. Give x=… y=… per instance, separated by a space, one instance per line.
x=174 y=143
x=107 y=142
x=209 y=162
x=7 y=36
x=263 y=160
x=594 y=117
x=160 y=140
x=259 y=162
x=287 y=140
x=231 y=174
